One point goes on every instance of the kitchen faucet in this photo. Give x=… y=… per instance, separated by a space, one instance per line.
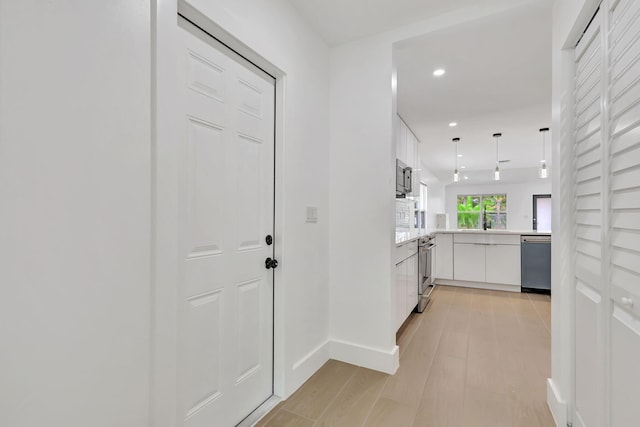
x=485 y=223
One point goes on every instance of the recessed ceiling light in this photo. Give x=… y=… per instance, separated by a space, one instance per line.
x=466 y=177
x=453 y=124
x=463 y=167
x=439 y=72
x=459 y=155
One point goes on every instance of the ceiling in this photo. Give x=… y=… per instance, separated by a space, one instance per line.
x=498 y=79
x=340 y=21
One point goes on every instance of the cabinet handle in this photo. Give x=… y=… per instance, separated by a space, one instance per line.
x=627 y=301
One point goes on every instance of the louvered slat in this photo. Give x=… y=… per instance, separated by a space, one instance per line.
x=624 y=137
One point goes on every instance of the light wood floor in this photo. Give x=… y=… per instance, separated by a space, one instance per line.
x=474 y=358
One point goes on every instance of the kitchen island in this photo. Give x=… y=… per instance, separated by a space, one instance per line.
x=486 y=259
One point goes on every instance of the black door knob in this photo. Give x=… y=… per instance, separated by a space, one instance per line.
x=270 y=263
x=269 y=239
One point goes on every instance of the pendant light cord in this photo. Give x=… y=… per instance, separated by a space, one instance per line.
x=456 y=155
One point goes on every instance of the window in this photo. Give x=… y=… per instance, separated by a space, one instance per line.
x=475 y=209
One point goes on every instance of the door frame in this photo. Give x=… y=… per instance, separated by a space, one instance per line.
x=534 y=217
x=164 y=267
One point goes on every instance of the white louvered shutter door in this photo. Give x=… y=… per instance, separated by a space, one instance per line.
x=623 y=110
x=588 y=203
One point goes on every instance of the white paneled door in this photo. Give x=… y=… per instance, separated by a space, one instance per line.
x=226 y=186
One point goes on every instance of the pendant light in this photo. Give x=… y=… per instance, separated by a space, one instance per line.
x=496 y=172
x=456 y=175
x=543 y=172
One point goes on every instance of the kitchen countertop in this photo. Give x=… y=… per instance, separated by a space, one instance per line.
x=406 y=239
x=495 y=231
x=409 y=239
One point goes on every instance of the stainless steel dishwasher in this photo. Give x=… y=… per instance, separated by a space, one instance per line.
x=535 y=257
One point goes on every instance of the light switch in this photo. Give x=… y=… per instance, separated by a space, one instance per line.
x=312 y=214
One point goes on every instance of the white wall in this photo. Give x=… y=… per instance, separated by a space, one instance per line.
x=519 y=199
x=361 y=128
x=362 y=185
x=75 y=178
x=275 y=32
x=75 y=217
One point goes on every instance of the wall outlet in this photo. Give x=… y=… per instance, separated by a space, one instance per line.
x=312 y=214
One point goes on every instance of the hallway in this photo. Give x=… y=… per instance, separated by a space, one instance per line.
x=474 y=358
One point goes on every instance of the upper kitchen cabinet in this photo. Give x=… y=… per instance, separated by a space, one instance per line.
x=408 y=152
x=412 y=143
x=407 y=146
x=401 y=142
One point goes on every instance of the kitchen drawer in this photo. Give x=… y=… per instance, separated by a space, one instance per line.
x=487 y=239
x=405 y=250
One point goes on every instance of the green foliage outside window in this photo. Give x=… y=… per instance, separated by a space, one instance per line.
x=472 y=209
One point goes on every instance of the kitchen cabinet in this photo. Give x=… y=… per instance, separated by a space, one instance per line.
x=411 y=149
x=444 y=256
x=401 y=142
x=408 y=151
x=469 y=262
x=406 y=281
x=487 y=257
x=412 y=284
x=401 y=294
x=503 y=264
x=479 y=259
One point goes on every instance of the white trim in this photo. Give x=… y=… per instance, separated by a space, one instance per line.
x=479 y=285
x=556 y=405
x=321 y=351
x=164 y=317
x=306 y=366
x=367 y=357
x=262 y=411
x=279 y=303
x=226 y=38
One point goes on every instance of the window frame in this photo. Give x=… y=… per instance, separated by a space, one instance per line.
x=482 y=197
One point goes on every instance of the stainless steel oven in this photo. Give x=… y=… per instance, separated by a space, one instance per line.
x=426 y=247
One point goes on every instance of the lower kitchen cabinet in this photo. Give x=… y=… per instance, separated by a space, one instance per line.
x=469 y=262
x=503 y=264
x=482 y=260
x=444 y=256
x=401 y=293
x=406 y=283
x=411 y=285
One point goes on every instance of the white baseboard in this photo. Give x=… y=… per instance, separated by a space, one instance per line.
x=556 y=405
x=307 y=366
x=478 y=285
x=372 y=358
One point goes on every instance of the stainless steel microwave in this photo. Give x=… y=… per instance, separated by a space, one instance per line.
x=403 y=179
